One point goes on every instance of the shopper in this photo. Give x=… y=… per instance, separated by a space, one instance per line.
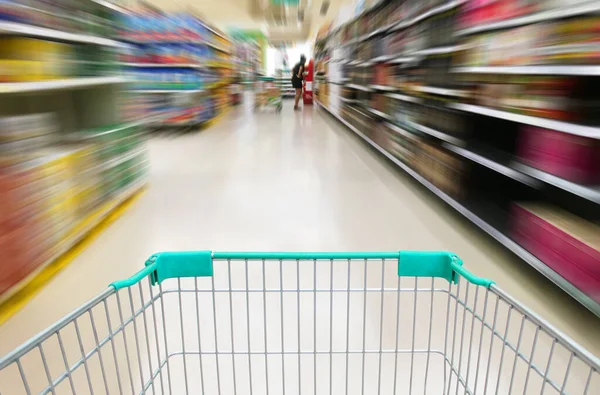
x=297 y=78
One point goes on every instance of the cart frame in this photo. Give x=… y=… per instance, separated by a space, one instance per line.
x=473 y=324
x=275 y=101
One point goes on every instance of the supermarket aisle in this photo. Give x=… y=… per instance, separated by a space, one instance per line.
x=295 y=181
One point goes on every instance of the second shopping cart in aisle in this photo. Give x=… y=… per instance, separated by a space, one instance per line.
x=301 y=323
x=268 y=94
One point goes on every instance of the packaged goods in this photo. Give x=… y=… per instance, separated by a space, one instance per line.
x=574 y=158
x=568 y=244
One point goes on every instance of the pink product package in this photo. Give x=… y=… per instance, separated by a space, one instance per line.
x=573 y=158
x=575 y=259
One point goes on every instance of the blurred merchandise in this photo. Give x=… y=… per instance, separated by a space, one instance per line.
x=574 y=41
x=66 y=15
x=573 y=158
x=30 y=59
x=484 y=102
x=51 y=183
x=444 y=169
x=568 y=244
x=170 y=79
x=180 y=57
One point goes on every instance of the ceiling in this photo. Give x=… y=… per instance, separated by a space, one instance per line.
x=278 y=22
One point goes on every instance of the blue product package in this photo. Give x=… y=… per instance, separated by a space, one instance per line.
x=183 y=53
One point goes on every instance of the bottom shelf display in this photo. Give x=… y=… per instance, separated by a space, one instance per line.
x=54 y=186
x=558 y=270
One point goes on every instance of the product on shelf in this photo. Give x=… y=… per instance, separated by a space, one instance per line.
x=30 y=59
x=487 y=11
x=573 y=158
x=450 y=89
x=177 y=53
x=571 y=41
x=51 y=182
x=443 y=119
x=67 y=15
x=172 y=78
x=442 y=168
x=402 y=112
x=402 y=146
x=569 y=245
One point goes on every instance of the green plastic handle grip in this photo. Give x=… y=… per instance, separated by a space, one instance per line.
x=165 y=265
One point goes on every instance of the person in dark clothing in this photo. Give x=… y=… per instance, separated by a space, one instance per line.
x=297 y=79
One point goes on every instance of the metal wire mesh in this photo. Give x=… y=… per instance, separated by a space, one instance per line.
x=300 y=327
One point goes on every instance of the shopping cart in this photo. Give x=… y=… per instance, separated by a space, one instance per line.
x=301 y=323
x=268 y=94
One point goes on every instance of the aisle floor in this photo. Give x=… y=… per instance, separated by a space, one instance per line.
x=293 y=181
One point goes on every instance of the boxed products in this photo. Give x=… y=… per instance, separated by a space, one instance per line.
x=68 y=15
x=172 y=78
x=574 y=158
x=571 y=41
x=566 y=243
x=547 y=97
x=441 y=168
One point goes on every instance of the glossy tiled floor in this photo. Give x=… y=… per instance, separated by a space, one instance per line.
x=293 y=181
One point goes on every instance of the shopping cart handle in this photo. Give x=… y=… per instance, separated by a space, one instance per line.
x=440 y=264
x=165 y=265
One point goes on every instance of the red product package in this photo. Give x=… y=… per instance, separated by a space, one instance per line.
x=566 y=243
x=382 y=72
x=573 y=158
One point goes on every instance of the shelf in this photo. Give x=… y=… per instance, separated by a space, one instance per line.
x=437 y=134
x=380 y=114
x=496 y=166
x=482 y=224
x=20 y=29
x=440 y=50
x=72 y=83
x=123 y=158
x=365 y=63
x=531 y=70
x=399 y=130
x=218 y=48
x=167 y=90
x=566 y=127
x=165 y=65
x=591 y=193
x=383 y=88
x=441 y=91
x=383 y=58
x=81 y=230
x=82 y=136
x=410 y=99
x=394 y=26
x=403 y=59
x=358 y=87
x=432 y=12
x=549 y=15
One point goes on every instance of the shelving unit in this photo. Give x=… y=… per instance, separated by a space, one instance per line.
x=190 y=64
x=285 y=84
x=423 y=93
x=64 y=119
x=26 y=30
x=71 y=83
x=478 y=221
